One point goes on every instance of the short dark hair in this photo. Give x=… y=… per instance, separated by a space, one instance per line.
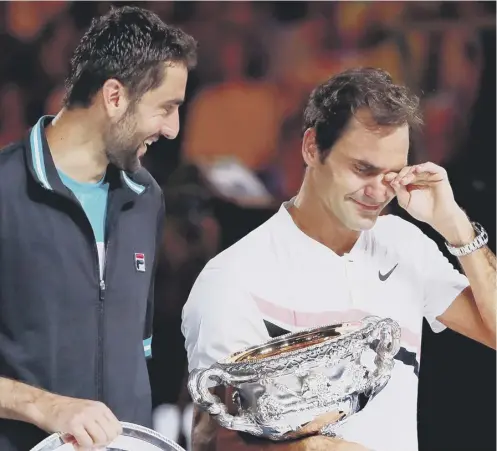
x=129 y=44
x=332 y=104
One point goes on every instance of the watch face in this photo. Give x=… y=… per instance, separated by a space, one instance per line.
x=133 y=438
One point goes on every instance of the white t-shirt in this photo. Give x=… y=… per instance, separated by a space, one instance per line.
x=278 y=279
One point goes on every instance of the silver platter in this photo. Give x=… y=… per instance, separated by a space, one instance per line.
x=133 y=438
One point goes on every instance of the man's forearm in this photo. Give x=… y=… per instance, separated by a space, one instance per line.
x=18 y=401
x=479 y=267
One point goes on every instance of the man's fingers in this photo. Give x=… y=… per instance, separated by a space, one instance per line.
x=69 y=438
x=402 y=194
x=408 y=178
x=430 y=167
x=419 y=174
x=112 y=424
x=82 y=438
x=403 y=172
x=389 y=176
x=430 y=172
x=98 y=433
x=112 y=428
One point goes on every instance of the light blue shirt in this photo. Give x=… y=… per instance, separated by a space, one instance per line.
x=93 y=199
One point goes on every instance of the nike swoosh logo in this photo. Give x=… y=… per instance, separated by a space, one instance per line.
x=384 y=277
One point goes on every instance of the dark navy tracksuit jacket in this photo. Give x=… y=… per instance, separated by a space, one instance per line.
x=62 y=327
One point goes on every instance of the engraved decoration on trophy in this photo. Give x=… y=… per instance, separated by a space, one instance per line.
x=133 y=438
x=296 y=385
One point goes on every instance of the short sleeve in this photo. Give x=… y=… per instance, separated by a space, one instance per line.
x=218 y=319
x=442 y=282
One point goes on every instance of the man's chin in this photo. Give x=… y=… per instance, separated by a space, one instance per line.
x=134 y=166
x=362 y=224
x=129 y=166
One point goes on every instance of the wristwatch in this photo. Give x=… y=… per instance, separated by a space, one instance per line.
x=480 y=240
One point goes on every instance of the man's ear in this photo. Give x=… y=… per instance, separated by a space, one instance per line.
x=115 y=98
x=310 y=151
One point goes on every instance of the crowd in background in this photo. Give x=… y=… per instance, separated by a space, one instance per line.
x=258 y=63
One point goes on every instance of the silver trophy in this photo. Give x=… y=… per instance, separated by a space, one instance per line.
x=301 y=383
x=133 y=438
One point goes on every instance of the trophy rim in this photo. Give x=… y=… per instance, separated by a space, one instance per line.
x=296 y=342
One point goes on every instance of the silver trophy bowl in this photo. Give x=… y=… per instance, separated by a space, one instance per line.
x=133 y=438
x=302 y=383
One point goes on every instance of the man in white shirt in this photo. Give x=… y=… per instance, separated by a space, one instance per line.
x=328 y=256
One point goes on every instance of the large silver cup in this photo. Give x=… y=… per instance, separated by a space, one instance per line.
x=301 y=383
x=133 y=438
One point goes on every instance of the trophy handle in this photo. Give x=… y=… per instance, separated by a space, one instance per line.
x=389 y=336
x=198 y=386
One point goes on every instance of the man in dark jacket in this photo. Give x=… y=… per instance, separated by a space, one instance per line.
x=80 y=221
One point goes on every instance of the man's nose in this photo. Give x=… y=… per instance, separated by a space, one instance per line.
x=170 y=128
x=378 y=190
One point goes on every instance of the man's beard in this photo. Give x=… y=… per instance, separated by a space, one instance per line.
x=121 y=144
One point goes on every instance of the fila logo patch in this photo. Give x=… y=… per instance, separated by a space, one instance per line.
x=140 y=262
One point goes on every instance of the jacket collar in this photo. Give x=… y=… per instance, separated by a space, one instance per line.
x=42 y=167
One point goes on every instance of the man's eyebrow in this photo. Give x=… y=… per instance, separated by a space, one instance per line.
x=371 y=167
x=367 y=165
x=177 y=102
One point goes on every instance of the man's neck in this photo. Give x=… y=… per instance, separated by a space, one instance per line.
x=320 y=224
x=75 y=141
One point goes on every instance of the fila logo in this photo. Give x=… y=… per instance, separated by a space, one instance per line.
x=140 y=262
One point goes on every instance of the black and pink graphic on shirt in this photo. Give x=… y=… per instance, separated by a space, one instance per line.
x=281 y=320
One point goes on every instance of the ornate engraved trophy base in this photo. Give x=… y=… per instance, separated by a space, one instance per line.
x=303 y=383
x=133 y=438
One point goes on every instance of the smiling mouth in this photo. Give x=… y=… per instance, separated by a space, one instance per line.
x=366 y=206
x=150 y=141
x=145 y=145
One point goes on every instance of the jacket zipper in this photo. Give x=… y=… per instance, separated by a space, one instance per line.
x=100 y=327
x=101 y=297
x=100 y=349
